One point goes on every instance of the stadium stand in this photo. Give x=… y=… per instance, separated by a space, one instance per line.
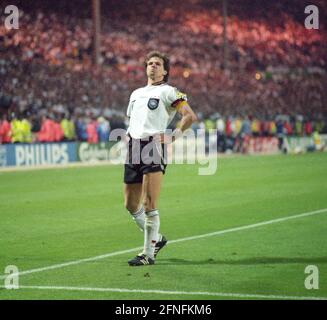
x=276 y=68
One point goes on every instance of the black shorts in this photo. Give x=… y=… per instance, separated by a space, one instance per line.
x=144 y=156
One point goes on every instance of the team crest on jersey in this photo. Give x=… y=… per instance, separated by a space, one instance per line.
x=153 y=103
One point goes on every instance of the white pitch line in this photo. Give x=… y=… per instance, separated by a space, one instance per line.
x=165 y=292
x=70 y=263
x=250 y=226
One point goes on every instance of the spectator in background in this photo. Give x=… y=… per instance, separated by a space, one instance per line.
x=288 y=127
x=221 y=139
x=237 y=126
x=308 y=128
x=299 y=125
x=17 y=135
x=20 y=130
x=228 y=127
x=280 y=131
x=245 y=135
x=35 y=127
x=272 y=128
x=209 y=124
x=47 y=132
x=5 y=130
x=91 y=130
x=318 y=143
x=246 y=127
x=58 y=131
x=103 y=129
x=68 y=127
x=255 y=127
x=26 y=131
x=80 y=126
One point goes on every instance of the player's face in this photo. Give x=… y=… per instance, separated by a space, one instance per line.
x=155 y=69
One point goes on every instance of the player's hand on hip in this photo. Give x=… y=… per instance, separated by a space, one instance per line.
x=163 y=138
x=168 y=138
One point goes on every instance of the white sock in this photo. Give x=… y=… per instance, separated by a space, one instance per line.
x=139 y=218
x=151 y=232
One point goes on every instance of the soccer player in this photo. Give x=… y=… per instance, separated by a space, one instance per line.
x=150 y=110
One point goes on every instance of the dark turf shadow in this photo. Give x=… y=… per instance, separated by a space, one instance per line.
x=249 y=261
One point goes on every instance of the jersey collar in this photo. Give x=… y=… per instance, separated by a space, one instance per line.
x=158 y=83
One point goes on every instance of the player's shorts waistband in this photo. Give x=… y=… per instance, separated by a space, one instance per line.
x=146 y=139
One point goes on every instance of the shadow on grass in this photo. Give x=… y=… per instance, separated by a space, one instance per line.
x=249 y=261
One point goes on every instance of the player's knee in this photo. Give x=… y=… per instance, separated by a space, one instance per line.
x=131 y=206
x=149 y=203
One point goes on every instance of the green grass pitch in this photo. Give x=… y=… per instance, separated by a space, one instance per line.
x=53 y=216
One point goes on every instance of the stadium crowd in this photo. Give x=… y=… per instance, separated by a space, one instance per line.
x=275 y=69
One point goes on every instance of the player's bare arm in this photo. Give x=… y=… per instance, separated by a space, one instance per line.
x=188 y=117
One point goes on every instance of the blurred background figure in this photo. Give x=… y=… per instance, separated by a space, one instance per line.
x=91 y=131
x=5 y=130
x=103 y=129
x=68 y=127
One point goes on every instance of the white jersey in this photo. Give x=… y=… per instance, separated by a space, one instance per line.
x=151 y=109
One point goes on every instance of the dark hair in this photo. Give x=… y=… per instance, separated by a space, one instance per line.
x=165 y=58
